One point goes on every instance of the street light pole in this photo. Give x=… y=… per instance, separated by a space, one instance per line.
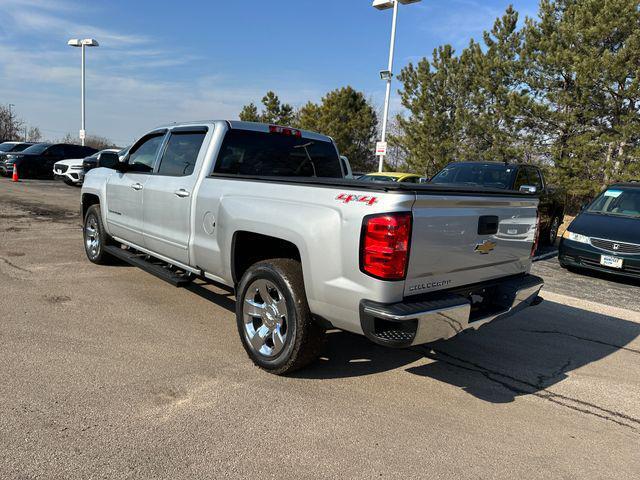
x=87 y=42
x=388 y=74
x=82 y=129
x=11 y=105
x=387 y=98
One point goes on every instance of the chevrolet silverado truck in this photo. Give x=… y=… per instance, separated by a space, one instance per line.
x=266 y=211
x=512 y=176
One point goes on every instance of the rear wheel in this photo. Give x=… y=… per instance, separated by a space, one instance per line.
x=273 y=317
x=95 y=238
x=552 y=232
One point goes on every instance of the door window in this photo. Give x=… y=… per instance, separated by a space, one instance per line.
x=143 y=155
x=56 y=151
x=534 y=178
x=179 y=158
x=521 y=179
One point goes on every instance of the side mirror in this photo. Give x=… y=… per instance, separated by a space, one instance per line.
x=528 y=189
x=109 y=160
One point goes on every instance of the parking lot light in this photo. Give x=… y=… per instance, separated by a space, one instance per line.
x=86 y=42
x=387 y=74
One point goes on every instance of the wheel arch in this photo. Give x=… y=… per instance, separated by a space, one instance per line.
x=244 y=252
x=88 y=200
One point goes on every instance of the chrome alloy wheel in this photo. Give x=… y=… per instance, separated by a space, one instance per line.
x=264 y=311
x=92 y=237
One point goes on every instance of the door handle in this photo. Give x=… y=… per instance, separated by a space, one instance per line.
x=136 y=186
x=182 y=193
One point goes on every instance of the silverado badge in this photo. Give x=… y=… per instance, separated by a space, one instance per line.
x=485 y=247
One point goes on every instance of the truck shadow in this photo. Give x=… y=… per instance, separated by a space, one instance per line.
x=522 y=355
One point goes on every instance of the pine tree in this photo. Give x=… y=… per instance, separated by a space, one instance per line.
x=273 y=112
x=563 y=92
x=250 y=113
x=581 y=60
x=430 y=132
x=346 y=116
x=493 y=100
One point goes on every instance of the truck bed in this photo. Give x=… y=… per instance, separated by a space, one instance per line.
x=419 y=189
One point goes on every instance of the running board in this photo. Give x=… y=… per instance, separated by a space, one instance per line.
x=140 y=260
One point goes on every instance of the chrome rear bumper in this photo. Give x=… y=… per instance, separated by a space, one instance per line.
x=444 y=315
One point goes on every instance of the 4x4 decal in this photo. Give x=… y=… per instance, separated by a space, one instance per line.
x=348 y=198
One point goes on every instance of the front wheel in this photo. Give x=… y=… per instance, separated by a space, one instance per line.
x=95 y=238
x=274 y=322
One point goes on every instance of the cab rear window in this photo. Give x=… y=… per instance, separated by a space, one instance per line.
x=251 y=153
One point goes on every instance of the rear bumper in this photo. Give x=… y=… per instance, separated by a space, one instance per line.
x=581 y=255
x=444 y=315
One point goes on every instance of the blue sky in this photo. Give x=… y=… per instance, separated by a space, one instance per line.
x=161 y=61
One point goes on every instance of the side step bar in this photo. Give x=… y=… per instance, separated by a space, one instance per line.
x=140 y=260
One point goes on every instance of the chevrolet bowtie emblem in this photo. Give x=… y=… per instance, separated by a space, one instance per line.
x=485 y=247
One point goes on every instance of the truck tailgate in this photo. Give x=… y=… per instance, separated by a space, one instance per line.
x=460 y=240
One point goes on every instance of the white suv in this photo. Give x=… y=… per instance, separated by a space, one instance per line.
x=72 y=171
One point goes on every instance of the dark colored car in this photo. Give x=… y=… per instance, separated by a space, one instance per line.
x=91 y=162
x=10 y=147
x=510 y=176
x=6 y=147
x=37 y=160
x=605 y=236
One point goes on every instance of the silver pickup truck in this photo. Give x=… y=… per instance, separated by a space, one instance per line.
x=266 y=211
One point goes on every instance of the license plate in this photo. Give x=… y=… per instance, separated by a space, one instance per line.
x=612 y=262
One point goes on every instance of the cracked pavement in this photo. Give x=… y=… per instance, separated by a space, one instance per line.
x=108 y=372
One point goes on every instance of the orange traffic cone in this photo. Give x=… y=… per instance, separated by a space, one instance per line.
x=15 y=173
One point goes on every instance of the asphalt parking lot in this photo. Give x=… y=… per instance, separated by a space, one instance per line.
x=108 y=372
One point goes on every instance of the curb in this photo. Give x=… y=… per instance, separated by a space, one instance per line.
x=546 y=256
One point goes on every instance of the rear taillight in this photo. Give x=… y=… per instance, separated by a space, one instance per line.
x=292 y=132
x=534 y=247
x=384 y=248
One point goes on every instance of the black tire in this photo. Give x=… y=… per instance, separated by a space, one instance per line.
x=551 y=234
x=93 y=220
x=69 y=182
x=304 y=339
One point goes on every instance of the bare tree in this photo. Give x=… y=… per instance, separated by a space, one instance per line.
x=33 y=134
x=10 y=125
x=95 y=141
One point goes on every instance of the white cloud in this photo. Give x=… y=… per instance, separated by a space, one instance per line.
x=129 y=90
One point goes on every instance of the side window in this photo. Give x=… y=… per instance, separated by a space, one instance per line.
x=73 y=151
x=142 y=158
x=521 y=179
x=55 y=151
x=181 y=153
x=534 y=178
x=251 y=153
x=411 y=180
x=85 y=152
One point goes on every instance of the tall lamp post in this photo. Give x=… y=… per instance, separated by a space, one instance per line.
x=10 y=136
x=388 y=74
x=87 y=42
